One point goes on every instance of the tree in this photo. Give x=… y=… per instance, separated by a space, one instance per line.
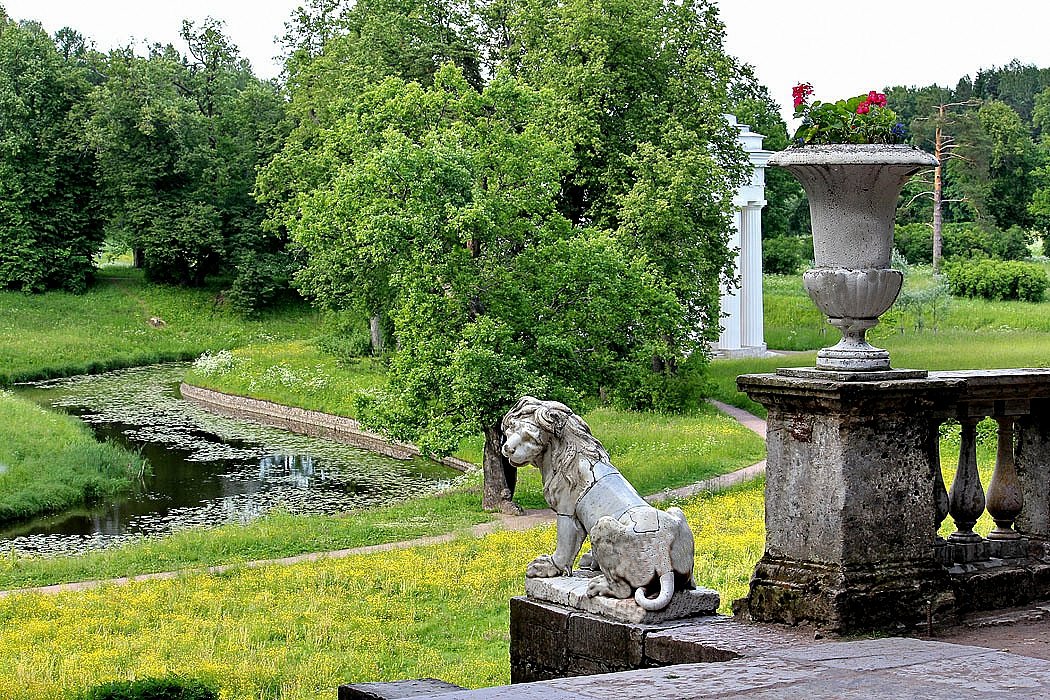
x=337 y=53
x=944 y=148
x=49 y=227
x=995 y=172
x=656 y=162
x=561 y=230
x=787 y=210
x=493 y=292
x=179 y=140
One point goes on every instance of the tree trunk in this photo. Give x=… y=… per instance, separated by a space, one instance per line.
x=937 y=187
x=500 y=476
x=375 y=330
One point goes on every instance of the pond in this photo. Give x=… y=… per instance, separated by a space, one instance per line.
x=207 y=470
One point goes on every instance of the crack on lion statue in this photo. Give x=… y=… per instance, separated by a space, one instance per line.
x=638 y=548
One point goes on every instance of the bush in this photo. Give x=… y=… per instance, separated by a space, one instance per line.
x=965 y=240
x=263 y=280
x=154 y=689
x=915 y=243
x=676 y=390
x=783 y=255
x=348 y=339
x=997 y=280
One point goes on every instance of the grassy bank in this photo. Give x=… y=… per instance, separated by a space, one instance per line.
x=272 y=537
x=297 y=632
x=50 y=462
x=58 y=334
x=969 y=334
x=655 y=452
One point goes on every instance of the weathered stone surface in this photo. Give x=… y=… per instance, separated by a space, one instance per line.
x=844 y=376
x=588 y=644
x=850 y=479
x=905 y=669
x=396 y=690
x=1032 y=456
x=571 y=591
x=716 y=638
x=538 y=634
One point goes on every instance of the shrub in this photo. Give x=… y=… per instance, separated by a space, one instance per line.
x=348 y=338
x=961 y=240
x=997 y=280
x=154 y=689
x=782 y=255
x=915 y=243
x=262 y=281
x=1011 y=244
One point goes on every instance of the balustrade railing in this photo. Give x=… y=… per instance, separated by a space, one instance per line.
x=1018 y=492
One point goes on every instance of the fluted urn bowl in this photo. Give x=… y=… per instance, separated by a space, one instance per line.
x=853 y=191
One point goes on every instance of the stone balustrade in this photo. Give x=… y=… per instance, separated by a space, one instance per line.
x=855 y=498
x=1009 y=565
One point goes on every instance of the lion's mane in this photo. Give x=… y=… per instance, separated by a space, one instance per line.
x=568 y=438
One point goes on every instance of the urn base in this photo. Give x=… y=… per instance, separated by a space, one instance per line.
x=853 y=358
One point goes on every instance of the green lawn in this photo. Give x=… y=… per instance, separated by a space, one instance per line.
x=296 y=632
x=973 y=334
x=58 y=334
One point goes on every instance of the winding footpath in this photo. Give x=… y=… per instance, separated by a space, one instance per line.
x=530 y=519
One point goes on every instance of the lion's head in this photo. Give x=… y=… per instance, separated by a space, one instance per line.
x=534 y=426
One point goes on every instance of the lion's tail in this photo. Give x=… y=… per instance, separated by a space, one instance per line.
x=663 y=599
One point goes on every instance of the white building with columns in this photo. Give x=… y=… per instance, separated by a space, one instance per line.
x=742 y=322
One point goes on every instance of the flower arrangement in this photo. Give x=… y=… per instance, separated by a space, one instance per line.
x=860 y=119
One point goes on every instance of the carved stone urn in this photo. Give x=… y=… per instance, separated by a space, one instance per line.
x=853 y=190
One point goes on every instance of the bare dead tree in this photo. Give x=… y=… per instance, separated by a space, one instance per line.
x=943 y=149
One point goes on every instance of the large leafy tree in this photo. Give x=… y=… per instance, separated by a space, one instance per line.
x=49 y=227
x=179 y=140
x=335 y=52
x=657 y=163
x=561 y=229
x=447 y=198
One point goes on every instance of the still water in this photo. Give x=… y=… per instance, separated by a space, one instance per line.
x=207 y=470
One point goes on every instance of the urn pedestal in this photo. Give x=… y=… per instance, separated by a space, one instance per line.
x=852 y=191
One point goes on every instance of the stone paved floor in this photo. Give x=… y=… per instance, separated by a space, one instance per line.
x=882 y=669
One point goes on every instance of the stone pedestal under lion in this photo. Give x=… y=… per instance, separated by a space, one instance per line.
x=639 y=550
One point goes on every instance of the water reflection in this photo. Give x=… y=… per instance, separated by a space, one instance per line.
x=207 y=469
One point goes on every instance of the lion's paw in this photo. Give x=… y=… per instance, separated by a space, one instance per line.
x=597 y=586
x=543 y=566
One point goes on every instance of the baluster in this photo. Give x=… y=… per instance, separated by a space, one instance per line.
x=1005 y=499
x=940 y=493
x=966 y=498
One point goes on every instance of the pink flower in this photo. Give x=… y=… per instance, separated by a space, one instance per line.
x=880 y=99
x=873 y=96
x=801 y=93
x=863 y=108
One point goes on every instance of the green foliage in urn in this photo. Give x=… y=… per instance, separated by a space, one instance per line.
x=861 y=119
x=49 y=223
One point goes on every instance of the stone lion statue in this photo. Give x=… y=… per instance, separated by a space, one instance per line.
x=638 y=548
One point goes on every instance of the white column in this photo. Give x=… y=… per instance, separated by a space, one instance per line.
x=752 y=334
x=730 y=338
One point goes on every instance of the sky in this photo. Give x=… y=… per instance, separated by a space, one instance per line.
x=843 y=48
